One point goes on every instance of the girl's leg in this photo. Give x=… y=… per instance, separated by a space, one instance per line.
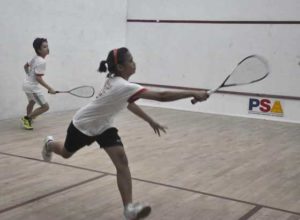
x=73 y=142
x=58 y=148
x=131 y=210
x=54 y=146
x=119 y=159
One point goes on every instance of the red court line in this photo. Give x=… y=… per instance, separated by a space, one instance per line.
x=223 y=92
x=249 y=214
x=50 y=194
x=210 y=21
x=167 y=185
x=218 y=196
x=61 y=164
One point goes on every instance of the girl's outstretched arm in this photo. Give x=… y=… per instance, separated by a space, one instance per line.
x=134 y=108
x=168 y=96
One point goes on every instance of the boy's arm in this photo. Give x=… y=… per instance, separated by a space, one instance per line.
x=26 y=67
x=39 y=78
x=134 y=108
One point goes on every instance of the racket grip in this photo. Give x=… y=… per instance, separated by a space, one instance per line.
x=193 y=101
x=55 y=92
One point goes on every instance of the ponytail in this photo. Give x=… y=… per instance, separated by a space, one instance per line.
x=102 y=68
x=115 y=57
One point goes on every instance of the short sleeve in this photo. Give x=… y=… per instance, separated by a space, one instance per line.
x=133 y=90
x=40 y=68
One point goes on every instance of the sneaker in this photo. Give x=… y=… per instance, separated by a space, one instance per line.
x=135 y=211
x=46 y=153
x=26 y=123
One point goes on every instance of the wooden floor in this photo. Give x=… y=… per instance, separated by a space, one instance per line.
x=207 y=167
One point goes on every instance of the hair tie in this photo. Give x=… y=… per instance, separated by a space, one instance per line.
x=116 y=56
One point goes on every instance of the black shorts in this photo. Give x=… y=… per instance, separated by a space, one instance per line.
x=76 y=139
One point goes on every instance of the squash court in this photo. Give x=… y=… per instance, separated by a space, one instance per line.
x=206 y=167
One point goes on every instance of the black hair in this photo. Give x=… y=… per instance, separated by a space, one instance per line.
x=37 y=43
x=114 y=57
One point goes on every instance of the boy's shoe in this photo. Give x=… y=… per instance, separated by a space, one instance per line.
x=46 y=153
x=135 y=211
x=26 y=123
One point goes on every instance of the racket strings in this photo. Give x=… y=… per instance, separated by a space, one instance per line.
x=251 y=69
x=83 y=91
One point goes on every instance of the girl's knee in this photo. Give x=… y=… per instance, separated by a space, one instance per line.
x=118 y=157
x=66 y=154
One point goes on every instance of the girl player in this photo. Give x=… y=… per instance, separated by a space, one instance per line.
x=94 y=122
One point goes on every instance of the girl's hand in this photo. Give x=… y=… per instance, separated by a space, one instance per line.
x=201 y=96
x=157 y=127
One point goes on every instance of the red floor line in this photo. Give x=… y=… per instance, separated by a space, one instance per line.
x=50 y=194
x=252 y=212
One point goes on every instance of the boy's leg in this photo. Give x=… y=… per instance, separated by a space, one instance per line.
x=30 y=106
x=39 y=98
x=39 y=111
x=26 y=121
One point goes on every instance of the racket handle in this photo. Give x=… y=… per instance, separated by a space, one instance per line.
x=209 y=92
x=193 y=101
x=55 y=92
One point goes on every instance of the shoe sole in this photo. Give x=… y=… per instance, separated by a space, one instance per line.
x=29 y=129
x=144 y=213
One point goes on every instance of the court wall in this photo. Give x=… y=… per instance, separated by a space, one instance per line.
x=196 y=44
x=80 y=34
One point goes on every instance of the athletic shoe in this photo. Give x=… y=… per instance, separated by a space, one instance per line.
x=26 y=123
x=135 y=211
x=46 y=153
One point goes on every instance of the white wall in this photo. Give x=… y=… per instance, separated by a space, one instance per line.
x=80 y=33
x=214 y=10
x=201 y=55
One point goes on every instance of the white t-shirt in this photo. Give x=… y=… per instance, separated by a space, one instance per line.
x=96 y=117
x=37 y=68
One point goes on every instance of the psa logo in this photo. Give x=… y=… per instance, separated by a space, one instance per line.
x=265 y=107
